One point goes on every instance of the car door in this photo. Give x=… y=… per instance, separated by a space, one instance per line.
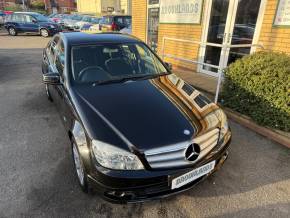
x=31 y=24
x=17 y=21
x=65 y=106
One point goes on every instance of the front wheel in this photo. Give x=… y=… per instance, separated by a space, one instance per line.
x=79 y=169
x=44 y=32
x=12 y=31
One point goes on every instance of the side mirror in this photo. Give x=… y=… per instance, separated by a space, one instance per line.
x=168 y=65
x=51 y=79
x=34 y=21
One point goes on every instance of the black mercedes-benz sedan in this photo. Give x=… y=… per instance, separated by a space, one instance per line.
x=137 y=131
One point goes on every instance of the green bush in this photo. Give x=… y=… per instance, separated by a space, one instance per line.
x=15 y=7
x=258 y=85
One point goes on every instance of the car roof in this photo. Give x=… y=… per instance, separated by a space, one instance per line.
x=80 y=38
x=115 y=15
x=26 y=12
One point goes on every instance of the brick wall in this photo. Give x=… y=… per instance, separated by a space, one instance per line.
x=139 y=14
x=63 y=6
x=274 y=38
x=180 y=49
x=183 y=50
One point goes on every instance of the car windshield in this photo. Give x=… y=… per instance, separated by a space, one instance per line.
x=86 y=19
x=40 y=18
x=52 y=15
x=111 y=62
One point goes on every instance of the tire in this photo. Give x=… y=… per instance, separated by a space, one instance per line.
x=44 y=33
x=12 y=31
x=79 y=169
x=48 y=93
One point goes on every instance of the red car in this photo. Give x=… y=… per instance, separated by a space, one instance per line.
x=8 y=12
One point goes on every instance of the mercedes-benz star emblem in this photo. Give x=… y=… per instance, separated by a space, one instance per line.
x=192 y=152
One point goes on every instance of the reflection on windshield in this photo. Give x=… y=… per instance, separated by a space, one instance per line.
x=113 y=62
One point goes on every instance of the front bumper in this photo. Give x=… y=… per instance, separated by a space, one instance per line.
x=140 y=186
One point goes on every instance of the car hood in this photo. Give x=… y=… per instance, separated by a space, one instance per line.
x=79 y=23
x=148 y=113
x=71 y=22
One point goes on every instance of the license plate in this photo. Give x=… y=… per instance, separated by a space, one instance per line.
x=192 y=175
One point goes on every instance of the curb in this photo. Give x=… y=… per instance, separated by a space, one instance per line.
x=264 y=131
x=250 y=124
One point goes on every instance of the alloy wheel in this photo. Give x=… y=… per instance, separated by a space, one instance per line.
x=44 y=33
x=12 y=31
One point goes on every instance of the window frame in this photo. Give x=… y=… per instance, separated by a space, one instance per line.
x=60 y=41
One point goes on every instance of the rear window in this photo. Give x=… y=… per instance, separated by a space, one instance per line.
x=123 y=20
x=18 y=18
x=107 y=20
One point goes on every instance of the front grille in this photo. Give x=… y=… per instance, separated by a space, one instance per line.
x=172 y=156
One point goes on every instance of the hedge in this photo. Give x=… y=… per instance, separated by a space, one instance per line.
x=258 y=85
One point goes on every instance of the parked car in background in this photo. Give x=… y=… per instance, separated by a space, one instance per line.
x=137 y=131
x=30 y=22
x=2 y=18
x=115 y=22
x=70 y=21
x=57 y=18
x=86 y=21
x=8 y=12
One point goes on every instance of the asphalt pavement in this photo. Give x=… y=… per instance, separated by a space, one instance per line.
x=36 y=171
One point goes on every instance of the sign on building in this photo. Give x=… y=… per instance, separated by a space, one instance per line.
x=181 y=11
x=282 y=17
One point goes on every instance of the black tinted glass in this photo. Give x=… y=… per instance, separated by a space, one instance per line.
x=110 y=61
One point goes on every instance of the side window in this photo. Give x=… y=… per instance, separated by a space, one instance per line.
x=60 y=58
x=9 y=18
x=18 y=18
x=27 y=18
x=127 y=21
x=119 y=20
x=109 y=20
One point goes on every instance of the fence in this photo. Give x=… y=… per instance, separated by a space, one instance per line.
x=219 y=68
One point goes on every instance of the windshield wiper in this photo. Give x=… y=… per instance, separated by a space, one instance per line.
x=125 y=79
x=102 y=82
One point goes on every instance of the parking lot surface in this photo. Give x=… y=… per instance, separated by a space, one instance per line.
x=36 y=171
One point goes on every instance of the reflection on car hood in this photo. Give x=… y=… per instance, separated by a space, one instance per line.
x=148 y=113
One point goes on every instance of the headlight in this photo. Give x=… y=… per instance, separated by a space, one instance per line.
x=115 y=158
x=224 y=123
